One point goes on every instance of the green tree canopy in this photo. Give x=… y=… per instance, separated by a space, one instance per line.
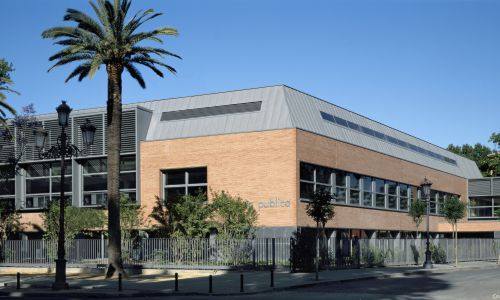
x=321 y=208
x=76 y=220
x=417 y=212
x=5 y=82
x=487 y=159
x=233 y=216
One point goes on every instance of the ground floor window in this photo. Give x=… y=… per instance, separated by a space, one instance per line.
x=483 y=207
x=181 y=182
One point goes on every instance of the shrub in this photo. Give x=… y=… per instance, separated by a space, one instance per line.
x=302 y=251
x=373 y=257
x=438 y=254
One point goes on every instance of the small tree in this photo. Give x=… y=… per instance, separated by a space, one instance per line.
x=454 y=210
x=417 y=213
x=131 y=217
x=321 y=210
x=233 y=216
x=5 y=81
x=10 y=220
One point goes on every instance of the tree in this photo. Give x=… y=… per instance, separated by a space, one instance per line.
x=417 y=212
x=5 y=81
x=10 y=220
x=453 y=211
x=131 y=217
x=232 y=216
x=77 y=220
x=321 y=210
x=487 y=159
x=113 y=42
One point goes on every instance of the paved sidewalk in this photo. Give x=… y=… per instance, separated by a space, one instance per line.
x=223 y=284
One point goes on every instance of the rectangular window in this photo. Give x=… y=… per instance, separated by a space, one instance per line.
x=403 y=197
x=340 y=186
x=354 y=191
x=367 y=191
x=432 y=203
x=392 y=198
x=380 y=193
x=181 y=182
x=314 y=178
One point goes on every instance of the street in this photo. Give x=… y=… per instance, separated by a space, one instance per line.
x=470 y=284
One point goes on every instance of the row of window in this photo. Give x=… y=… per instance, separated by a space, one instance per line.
x=42 y=182
x=483 y=207
x=180 y=182
x=351 y=125
x=361 y=190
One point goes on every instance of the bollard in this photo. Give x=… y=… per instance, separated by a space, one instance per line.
x=272 y=278
x=120 y=282
x=18 y=279
x=241 y=283
x=176 y=287
x=210 y=284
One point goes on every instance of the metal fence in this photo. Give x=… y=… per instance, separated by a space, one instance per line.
x=154 y=253
x=252 y=253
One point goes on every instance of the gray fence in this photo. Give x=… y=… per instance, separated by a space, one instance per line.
x=155 y=253
x=254 y=253
x=398 y=252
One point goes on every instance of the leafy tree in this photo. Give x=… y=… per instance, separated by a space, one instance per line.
x=321 y=210
x=234 y=217
x=131 y=217
x=5 y=81
x=77 y=220
x=111 y=41
x=10 y=220
x=454 y=210
x=494 y=162
x=162 y=215
x=482 y=155
x=417 y=212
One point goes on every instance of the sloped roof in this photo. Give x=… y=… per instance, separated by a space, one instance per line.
x=284 y=107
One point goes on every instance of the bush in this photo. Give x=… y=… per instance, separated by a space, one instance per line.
x=438 y=254
x=373 y=257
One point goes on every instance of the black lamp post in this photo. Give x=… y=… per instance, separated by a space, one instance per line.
x=426 y=189
x=62 y=150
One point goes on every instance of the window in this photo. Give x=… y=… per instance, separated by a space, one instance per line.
x=432 y=203
x=43 y=184
x=380 y=193
x=440 y=202
x=354 y=188
x=7 y=181
x=95 y=180
x=367 y=191
x=483 y=207
x=181 y=182
x=340 y=186
x=392 y=198
x=314 y=178
x=403 y=196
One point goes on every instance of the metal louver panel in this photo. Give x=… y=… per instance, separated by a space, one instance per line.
x=96 y=120
x=54 y=130
x=480 y=187
x=128 y=132
x=27 y=137
x=211 y=111
x=496 y=186
x=6 y=147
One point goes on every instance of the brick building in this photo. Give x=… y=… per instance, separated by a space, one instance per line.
x=272 y=146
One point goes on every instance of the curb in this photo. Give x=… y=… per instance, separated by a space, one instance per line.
x=135 y=293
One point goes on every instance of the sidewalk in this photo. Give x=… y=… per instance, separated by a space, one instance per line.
x=223 y=284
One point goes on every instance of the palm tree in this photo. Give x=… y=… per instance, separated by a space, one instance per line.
x=5 y=81
x=113 y=42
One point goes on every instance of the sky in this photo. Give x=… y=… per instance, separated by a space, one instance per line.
x=430 y=68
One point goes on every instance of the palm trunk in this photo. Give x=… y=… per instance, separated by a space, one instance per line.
x=113 y=133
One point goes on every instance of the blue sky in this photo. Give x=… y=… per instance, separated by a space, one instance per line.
x=430 y=68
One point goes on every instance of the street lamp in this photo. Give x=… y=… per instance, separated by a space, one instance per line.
x=426 y=189
x=62 y=150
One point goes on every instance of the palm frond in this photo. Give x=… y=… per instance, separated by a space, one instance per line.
x=84 y=21
x=135 y=74
x=146 y=50
x=6 y=106
x=71 y=58
x=83 y=68
x=141 y=58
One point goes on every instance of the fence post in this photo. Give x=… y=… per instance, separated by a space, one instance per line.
x=267 y=251
x=176 y=286
x=119 y=282
x=253 y=253
x=272 y=278
x=273 y=249
x=102 y=247
x=241 y=283
x=210 y=284
x=18 y=281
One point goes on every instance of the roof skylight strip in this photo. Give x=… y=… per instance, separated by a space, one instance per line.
x=387 y=138
x=211 y=111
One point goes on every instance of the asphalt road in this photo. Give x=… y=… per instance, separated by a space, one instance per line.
x=476 y=284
